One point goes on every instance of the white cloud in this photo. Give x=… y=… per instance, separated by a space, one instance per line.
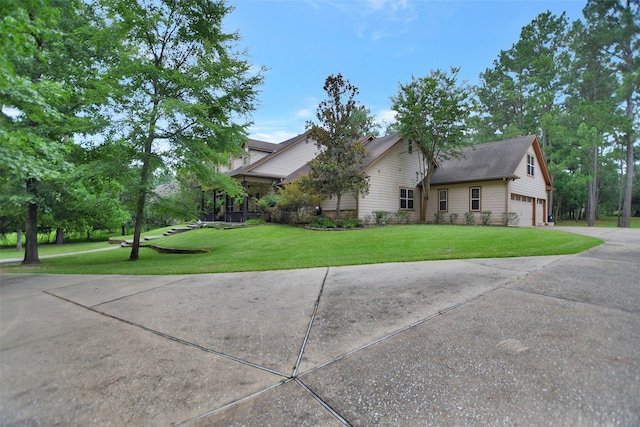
x=385 y=117
x=304 y=113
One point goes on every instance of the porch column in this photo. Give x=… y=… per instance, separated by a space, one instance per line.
x=245 y=202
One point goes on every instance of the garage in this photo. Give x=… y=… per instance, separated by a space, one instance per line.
x=523 y=206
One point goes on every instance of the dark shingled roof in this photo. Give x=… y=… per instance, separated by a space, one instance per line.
x=494 y=160
x=268 y=147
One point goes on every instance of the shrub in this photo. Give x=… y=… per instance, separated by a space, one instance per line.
x=327 y=223
x=453 y=217
x=339 y=222
x=297 y=203
x=510 y=219
x=256 y=221
x=316 y=221
x=354 y=222
x=485 y=216
x=402 y=217
x=381 y=217
x=267 y=206
x=469 y=218
x=438 y=217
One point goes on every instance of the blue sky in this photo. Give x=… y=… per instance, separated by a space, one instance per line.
x=375 y=44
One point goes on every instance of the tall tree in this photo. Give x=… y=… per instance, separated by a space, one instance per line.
x=590 y=110
x=337 y=170
x=522 y=94
x=525 y=82
x=178 y=86
x=45 y=64
x=432 y=111
x=614 y=26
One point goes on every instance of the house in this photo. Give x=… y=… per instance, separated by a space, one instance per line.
x=392 y=166
x=253 y=151
x=503 y=176
x=262 y=175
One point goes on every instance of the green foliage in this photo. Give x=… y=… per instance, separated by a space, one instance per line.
x=296 y=202
x=341 y=123
x=453 y=217
x=47 y=91
x=438 y=217
x=316 y=221
x=469 y=218
x=178 y=81
x=614 y=27
x=432 y=112
x=256 y=221
x=525 y=81
x=485 y=216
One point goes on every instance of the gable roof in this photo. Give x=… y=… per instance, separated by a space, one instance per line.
x=376 y=147
x=283 y=146
x=491 y=161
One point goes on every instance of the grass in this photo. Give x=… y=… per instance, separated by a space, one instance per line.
x=276 y=247
x=51 y=249
x=603 y=221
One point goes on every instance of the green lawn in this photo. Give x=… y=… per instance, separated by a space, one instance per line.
x=603 y=221
x=275 y=247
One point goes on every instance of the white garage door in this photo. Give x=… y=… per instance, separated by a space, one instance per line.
x=523 y=206
x=540 y=213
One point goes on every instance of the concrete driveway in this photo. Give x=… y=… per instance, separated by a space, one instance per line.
x=519 y=341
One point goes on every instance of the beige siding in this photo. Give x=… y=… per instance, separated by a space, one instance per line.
x=254 y=156
x=394 y=170
x=492 y=198
x=288 y=160
x=347 y=202
x=530 y=186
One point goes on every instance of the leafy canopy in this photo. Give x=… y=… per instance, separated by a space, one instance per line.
x=338 y=134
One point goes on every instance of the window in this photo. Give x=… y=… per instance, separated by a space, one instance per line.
x=406 y=199
x=474 y=199
x=442 y=200
x=530 y=164
x=410 y=146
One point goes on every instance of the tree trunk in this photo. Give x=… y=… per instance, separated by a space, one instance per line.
x=19 y=240
x=144 y=180
x=625 y=220
x=338 y=197
x=31 y=231
x=59 y=236
x=142 y=192
x=426 y=189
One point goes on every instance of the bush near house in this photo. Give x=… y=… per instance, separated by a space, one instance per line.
x=485 y=216
x=402 y=217
x=510 y=219
x=469 y=218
